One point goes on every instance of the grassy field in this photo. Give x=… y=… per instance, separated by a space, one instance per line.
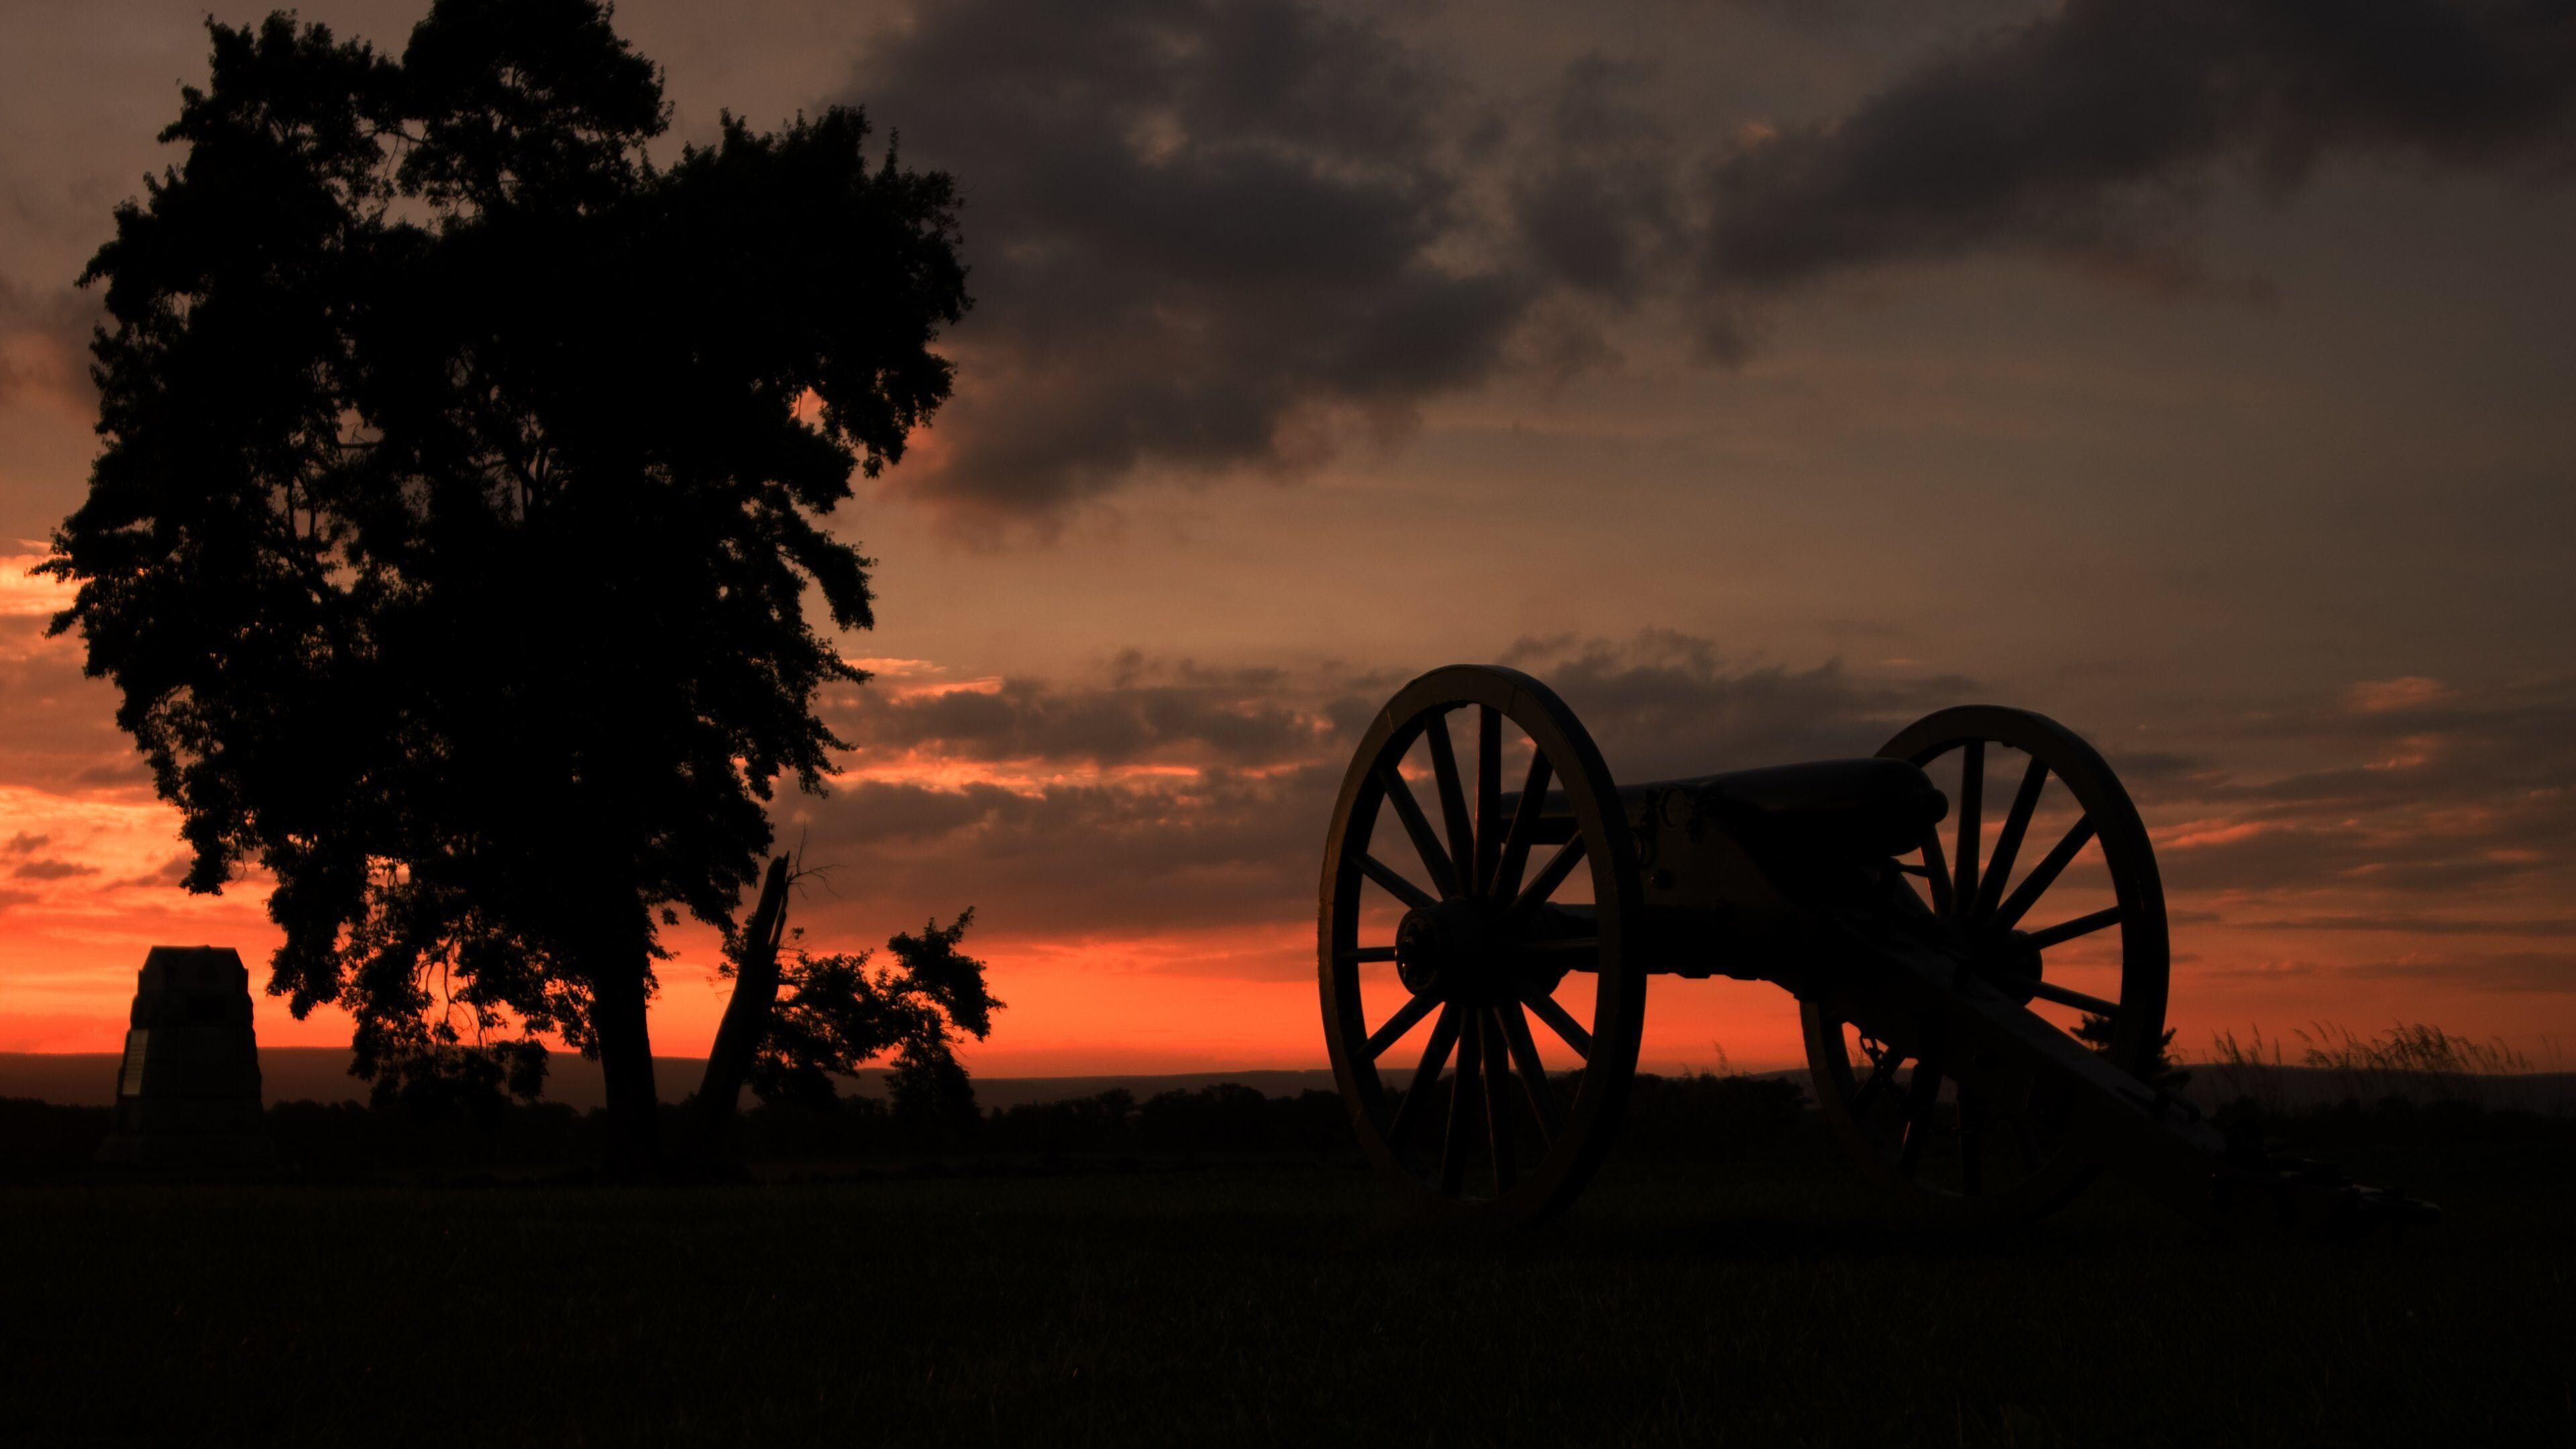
x=1683 y=1303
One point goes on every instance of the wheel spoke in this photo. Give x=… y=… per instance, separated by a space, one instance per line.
x=1426 y=1075
x=1397 y=1025
x=1453 y=801
x=1549 y=877
x=2008 y=844
x=1972 y=803
x=1516 y=842
x=1972 y=1141
x=1882 y=1072
x=1425 y=844
x=1489 y=794
x=2043 y=875
x=1498 y=1102
x=1922 y=1095
x=2025 y=1142
x=1936 y=870
x=1516 y=1034
x=2051 y=991
x=1462 y=1094
x=2065 y=931
x=1566 y=1027
x=1360 y=955
x=1396 y=885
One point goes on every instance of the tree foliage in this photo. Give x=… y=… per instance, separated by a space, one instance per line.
x=465 y=476
x=2166 y=1071
x=841 y=1011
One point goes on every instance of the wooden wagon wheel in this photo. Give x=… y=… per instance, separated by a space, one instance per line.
x=1959 y=1151
x=1450 y=935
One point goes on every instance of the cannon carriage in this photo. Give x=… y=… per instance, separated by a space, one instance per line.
x=1983 y=1009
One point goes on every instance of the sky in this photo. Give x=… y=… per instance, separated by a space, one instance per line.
x=1762 y=375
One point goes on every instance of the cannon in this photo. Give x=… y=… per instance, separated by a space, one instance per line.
x=1983 y=1016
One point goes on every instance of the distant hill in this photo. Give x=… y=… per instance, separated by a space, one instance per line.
x=321 y=1074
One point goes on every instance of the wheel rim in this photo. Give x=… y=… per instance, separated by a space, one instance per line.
x=2047 y=935
x=1425 y=967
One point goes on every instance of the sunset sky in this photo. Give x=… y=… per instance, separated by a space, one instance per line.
x=1761 y=374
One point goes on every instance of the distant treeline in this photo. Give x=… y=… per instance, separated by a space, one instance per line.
x=1724 y=1116
x=1721 y=1116
x=1702 y=1115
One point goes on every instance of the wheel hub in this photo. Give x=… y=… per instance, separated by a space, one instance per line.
x=2008 y=962
x=1449 y=949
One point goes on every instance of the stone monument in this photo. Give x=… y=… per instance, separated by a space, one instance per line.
x=187 y=1092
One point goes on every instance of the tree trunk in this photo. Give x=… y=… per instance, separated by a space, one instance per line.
x=746 y=1018
x=626 y=1061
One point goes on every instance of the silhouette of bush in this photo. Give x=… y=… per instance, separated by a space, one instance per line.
x=37 y=1136
x=2353 y=1125
x=430 y=1134
x=839 y=1128
x=1705 y=1114
x=1223 y=1117
x=1693 y=1116
x=1100 y=1124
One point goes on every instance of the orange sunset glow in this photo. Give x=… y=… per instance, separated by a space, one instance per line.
x=1507 y=352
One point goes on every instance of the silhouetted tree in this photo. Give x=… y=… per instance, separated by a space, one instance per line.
x=751 y=959
x=2098 y=1033
x=839 y=1014
x=464 y=474
x=837 y=1017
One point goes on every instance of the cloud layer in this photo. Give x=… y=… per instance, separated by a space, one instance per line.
x=1222 y=235
x=2081 y=132
x=1205 y=234
x=1159 y=795
x=44 y=344
x=1156 y=797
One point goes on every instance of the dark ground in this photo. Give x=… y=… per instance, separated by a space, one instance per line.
x=993 y=1300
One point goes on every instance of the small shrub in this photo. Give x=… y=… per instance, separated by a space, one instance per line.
x=1706 y=1114
x=39 y=1136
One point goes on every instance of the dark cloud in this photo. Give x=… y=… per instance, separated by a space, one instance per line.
x=1173 y=715
x=2080 y=132
x=44 y=342
x=1215 y=235
x=1135 y=857
x=2327 y=854
x=2422 y=925
x=171 y=874
x=49 y=868
x=1156 y=796
x=2441 y=791
x=1203 y=232
x=1200 y=797
x=55 y=724
x=2500 y=971
x=1597 y=209
x=126 y=771
x=1664 y=704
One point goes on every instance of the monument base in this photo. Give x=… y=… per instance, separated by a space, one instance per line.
x=188 y=1089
